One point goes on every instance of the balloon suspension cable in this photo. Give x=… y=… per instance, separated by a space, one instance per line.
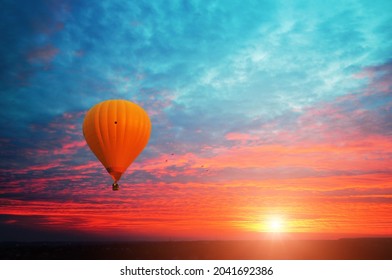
x=115 y=186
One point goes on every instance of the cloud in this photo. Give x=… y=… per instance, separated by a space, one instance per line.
x=43 y=55
x=256 y=107
x=26 y=36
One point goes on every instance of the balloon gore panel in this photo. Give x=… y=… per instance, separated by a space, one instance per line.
x=116 y=132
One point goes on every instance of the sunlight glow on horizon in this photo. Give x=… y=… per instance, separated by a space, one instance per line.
x=276 y=224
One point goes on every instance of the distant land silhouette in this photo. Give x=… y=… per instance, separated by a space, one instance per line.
x=341 y=249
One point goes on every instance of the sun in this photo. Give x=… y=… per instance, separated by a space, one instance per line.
x=275 y=224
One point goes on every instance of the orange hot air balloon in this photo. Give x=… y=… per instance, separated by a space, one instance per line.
x=116 y=132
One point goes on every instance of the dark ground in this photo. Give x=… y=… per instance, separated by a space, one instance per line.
x=343 y=249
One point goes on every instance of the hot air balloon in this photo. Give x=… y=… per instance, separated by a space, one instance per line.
x=116 y=132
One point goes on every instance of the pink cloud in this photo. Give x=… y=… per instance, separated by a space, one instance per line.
x=88 y=166
x=33 y=168
x=235 y=136
x=70 y=147
x=43 y=55
x=156 y=102
x=380 y=78
x=367 y=73
x=48 y=29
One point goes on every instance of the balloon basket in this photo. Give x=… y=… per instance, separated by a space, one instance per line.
x=115 y=187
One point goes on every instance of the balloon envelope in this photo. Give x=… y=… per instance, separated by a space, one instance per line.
x=117 y=132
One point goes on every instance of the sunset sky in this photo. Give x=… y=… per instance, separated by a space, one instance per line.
x=268 y=117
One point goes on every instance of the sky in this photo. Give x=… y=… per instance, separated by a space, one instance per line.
x=268 y=118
